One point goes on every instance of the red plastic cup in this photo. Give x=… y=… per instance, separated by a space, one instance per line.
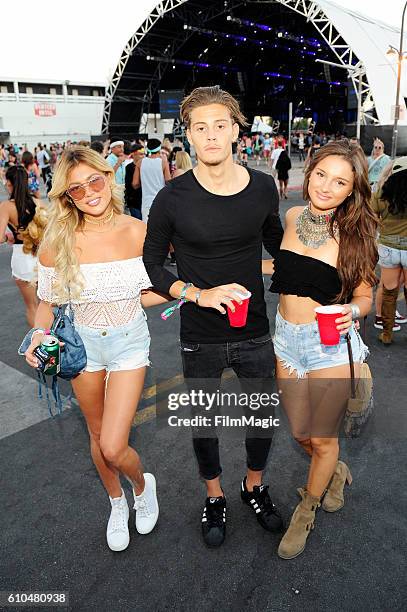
x=239 y=317
x=326 y=316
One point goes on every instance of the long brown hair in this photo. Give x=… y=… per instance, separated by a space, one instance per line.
x=356 y=221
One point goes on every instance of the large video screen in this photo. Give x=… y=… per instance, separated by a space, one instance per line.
x=170 y=102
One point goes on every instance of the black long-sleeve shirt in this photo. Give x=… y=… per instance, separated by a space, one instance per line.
x=217 y=240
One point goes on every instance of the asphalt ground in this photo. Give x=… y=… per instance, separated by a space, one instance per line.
x=54 y=509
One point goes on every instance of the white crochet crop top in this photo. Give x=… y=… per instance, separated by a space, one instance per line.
x=111 y=296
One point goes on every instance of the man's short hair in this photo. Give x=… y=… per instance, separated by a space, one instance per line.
x=203 y=96
x=136 y=147
x=153 y=144
x=97 y=146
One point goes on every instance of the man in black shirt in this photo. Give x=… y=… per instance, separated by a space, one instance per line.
x=217 y=216
x=133 y=197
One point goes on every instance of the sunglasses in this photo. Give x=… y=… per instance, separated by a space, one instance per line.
x=96 y=184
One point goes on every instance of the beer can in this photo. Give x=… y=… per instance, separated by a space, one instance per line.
x=50 y=345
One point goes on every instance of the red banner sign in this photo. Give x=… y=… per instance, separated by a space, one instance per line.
x=45 y=110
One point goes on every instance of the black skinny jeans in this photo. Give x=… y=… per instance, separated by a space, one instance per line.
x=250 y=360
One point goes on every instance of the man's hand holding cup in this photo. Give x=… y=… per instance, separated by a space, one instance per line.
x=221 y=296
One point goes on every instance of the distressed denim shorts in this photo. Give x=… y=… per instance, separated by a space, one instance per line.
x=298 y=347
x=390 y=257
x=125 y=347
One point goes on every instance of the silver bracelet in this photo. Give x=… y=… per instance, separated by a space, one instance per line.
x=355 y=311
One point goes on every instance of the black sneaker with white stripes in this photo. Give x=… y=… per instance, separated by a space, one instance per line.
x=214 y=521
x=259 y=500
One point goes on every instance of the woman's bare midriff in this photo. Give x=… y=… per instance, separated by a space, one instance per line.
x=297 y=310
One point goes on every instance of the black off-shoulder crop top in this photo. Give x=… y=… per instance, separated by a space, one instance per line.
x=296 y=274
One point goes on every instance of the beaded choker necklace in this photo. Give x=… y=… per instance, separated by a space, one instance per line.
x=313 y=230
x=102 y=221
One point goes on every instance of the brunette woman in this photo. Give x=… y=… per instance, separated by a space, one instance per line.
x=283 y=166
x=390 y=203
x=17 y=214
x=33 y=173
x=328 y=256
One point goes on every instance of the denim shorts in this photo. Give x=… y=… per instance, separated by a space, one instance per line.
x=298 y=347
x=390 y=257
x=125 y=347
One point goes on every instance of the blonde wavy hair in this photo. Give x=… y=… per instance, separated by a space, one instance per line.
x=65 y=219
x=183 y=161
x=33 y=234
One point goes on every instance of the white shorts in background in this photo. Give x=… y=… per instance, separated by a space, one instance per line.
x=22 y=265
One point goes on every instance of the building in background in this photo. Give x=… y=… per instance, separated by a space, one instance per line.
x=33 y=111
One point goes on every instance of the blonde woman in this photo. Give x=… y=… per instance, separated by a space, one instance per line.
x=91 y=255
x=398 y=319
x=183 y=163
x=377 y=162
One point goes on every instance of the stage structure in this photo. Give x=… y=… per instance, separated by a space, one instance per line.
x=264 y=52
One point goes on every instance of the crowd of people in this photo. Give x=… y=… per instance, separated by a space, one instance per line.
x=136 y=170
x=215 y=217
x=134 y=166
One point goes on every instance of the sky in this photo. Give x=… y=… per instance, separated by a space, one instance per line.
x=84 y=43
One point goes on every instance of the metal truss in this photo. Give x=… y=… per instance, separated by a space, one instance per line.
x=275 y=129
x=194 y=18
x=165 y=6
x=309 y=9
x=313 y=13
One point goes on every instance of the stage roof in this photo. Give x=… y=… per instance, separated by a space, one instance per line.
x=264 y=53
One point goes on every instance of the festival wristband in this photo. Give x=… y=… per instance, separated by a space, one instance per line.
x=170 y=311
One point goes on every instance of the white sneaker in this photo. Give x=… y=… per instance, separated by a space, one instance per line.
x=117 y=532
x=399 y=318
x=146 y=506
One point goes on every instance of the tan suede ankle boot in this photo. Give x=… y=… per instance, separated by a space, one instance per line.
x=302 y=521
x=388 y=313
x=334 y=499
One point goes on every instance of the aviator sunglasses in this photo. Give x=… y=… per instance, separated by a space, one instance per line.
x=96 y=184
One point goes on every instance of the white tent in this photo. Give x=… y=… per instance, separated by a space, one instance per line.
x=260 y=126
x=369 y=41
